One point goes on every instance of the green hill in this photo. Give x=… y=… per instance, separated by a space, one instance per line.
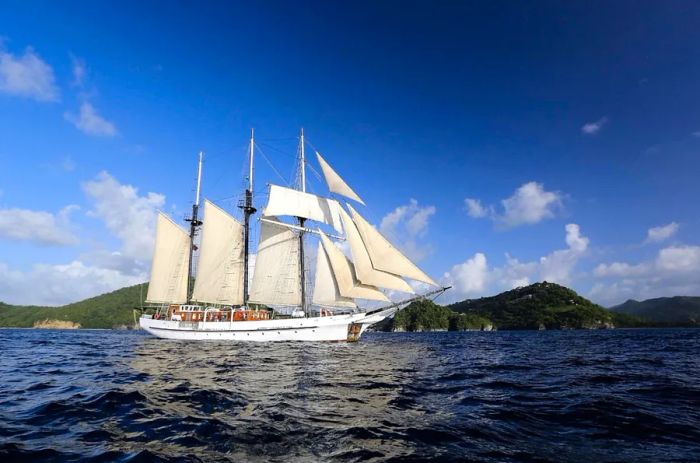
x=671 y=311
x=426 y=315
x=109 y=310
x=540 y=305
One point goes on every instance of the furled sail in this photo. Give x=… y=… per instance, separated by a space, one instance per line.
x=220 y=267
x=384 y=255
x=335 y=183
x=363 y=265
x=326 y=291
x=285 y=201
x=170 y=266
x=276 y=280
x=344 y=273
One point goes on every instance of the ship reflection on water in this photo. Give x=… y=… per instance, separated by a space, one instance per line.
x=293 y=400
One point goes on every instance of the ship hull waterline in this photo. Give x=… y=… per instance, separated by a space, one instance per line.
x=345 y=328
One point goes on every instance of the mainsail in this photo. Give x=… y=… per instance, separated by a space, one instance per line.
x=326 y=291
x=285 y=201
x=276 y=279
x=384 y=255
x=220 y=267
x=363 y=264
x=344 y=273
x=169 y=275
x=335 y=183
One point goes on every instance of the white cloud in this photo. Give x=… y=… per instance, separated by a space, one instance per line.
x=591 y=128
x=696 y=133
x=405 y=225
x=680 y=259
x=620 y=269
x=474 y=278
x=528 y=205
x=40 y=227
x=674 y=271
x=558 y=266
x=469 y=278
x=60 y=284
x=475 y=208
x=27 y=76
x=90 y=122
x=664 y=232
x=126 y=214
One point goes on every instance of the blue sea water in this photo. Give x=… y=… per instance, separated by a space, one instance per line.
x=579 y=396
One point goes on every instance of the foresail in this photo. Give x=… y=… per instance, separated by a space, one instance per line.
x=276 y=279
x=335 y=183
x=170 y=265
x=325 y=287
x=285 y=201
x=363 y=264
x=344 y=272
x=220 y=266
x=384 y=255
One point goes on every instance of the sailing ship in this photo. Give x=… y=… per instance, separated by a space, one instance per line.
x=220 y=303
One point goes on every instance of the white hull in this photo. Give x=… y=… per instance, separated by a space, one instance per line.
x=346 y=327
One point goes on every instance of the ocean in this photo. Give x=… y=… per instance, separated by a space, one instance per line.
x=535 y=396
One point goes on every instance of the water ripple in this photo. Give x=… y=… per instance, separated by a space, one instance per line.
x=600 y=396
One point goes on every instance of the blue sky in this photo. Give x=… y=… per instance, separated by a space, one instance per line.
x=573 y=129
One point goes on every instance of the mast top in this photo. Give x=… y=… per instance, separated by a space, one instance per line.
x=199 y=178
x=250 y=160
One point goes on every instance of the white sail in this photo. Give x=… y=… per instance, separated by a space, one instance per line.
x=363 y=265
x=335 y=183
x=285 y=201
x=344 y=272
x=325 y=287
x=276 y=280
x=220 y=266
x=384 y=255
x=170 y=266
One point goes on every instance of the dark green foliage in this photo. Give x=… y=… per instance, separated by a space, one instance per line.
x=539 y=305
x=667 y=311
x=111 y=310
x=425 y=315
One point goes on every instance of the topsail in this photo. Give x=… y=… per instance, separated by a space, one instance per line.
x=285 y=201
x=335 y=183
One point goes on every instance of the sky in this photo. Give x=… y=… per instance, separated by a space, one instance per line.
x=496 y=143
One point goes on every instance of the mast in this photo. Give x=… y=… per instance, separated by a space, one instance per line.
x=248 y=210
x=194 y=223
x=301 y=232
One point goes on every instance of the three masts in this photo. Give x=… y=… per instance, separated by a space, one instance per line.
x=279 y=276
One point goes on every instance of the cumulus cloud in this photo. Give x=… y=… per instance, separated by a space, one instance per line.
x=126 y=214
x=40 y=227
x=59 y=284
x=528 y=205
x=475 y=208
x=27 y=75
x=474 y=278
x=674 y=271
x=469 y=278
x=405 y=225
x=592 y=128
x=662 y=233
x=90 y=122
